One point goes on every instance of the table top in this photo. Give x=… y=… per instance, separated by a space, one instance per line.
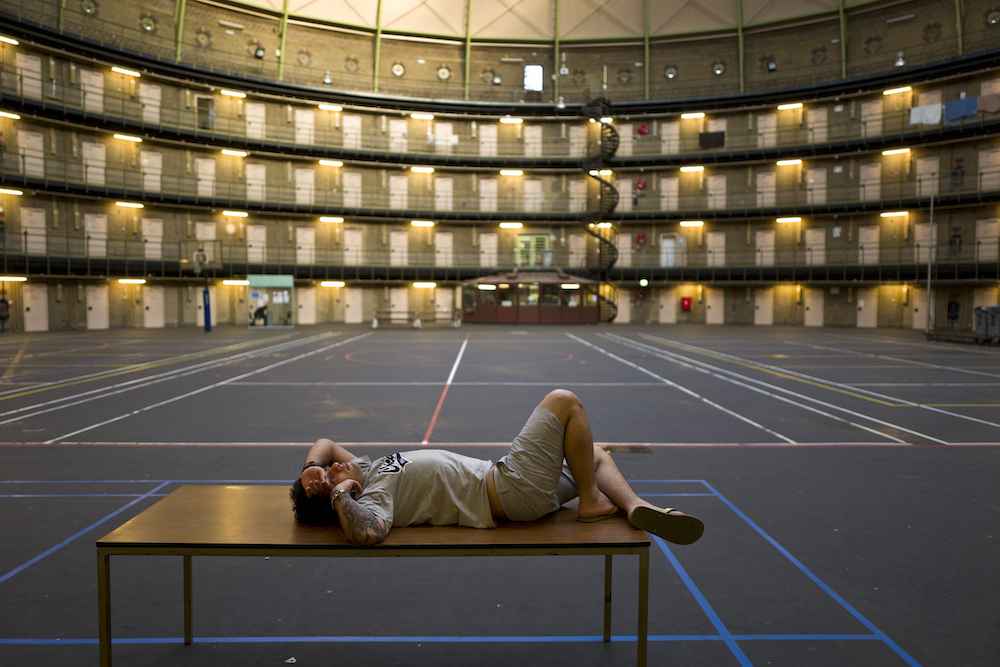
x=261 y=516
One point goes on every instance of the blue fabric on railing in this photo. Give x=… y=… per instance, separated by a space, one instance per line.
x=959 y=109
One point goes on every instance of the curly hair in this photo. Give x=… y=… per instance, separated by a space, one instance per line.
x=314 y=511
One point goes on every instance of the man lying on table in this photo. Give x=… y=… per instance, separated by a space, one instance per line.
x=433 y=486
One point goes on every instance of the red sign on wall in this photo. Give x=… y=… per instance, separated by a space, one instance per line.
x=685 y=303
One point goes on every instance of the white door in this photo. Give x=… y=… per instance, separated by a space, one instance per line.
x=444 y=138
x=256 y=119
x=443 y=194
x=152 y=170
x=92 y=85
x=925 y=241
x=256 y=243
x=870 y=182
x=306 y=298
x=352 y=131
x=716 y=248
x=624 y=195
x=926 y=97
x=29 y=75
x=625 y=137
x=671 y=250
x=532 y=141
x=488 y=249
x=256 y=181
x=153 y=311
x=305 y=186
x=578 y=140
x=717 y=191
x=36 y=307
x=33 y=227
x=205 y=169
x=204 y=233
x=989 y=169
x=816 y=185
x=31 y=151
x=94 y=162
x=623 y=314
x=149 y=96
x=577 y=195
x=670 y=193
x=767 y=130
x=717 y=125
x=867 y=307
x=444 y=304
x=989 y=87
x=715 y=305
x=918 y=301
x=488 y=195
x=928 y=176
x=399 y=248
x=816 y=246
x=765 y=247
x=305 y=127
x=97 y=234
x=533 y=195
x=488 y=140
x=213 y=304
x=352 y=188
x=352 y=251
x=352 y=305
x=670 y=137
x=97 y=307
x=668 y=305
x=399 y=191
x=814 y=298
x=443 y=255
x=816 y=123
x=623 y=241
x=399 y=304
x=305 y=247
x=152 y=238
x=871 y=118
x=577 y=250
x=763 y=306
x=986 y=239
x=767 y=187
x=868 y=245
x=398 y=132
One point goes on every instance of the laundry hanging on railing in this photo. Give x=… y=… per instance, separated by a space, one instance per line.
x=955 y=111
x=928 y=114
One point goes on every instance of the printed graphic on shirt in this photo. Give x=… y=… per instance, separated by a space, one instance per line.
x=393 y=464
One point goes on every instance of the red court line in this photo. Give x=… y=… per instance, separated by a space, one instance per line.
x=451 y=376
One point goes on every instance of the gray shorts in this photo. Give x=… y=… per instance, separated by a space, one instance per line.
x=533 y=479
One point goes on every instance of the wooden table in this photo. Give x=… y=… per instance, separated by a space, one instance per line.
x=203 y=520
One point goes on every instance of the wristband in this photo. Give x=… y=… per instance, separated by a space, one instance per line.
x=311 y=464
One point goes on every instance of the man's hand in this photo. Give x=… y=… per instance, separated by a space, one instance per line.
x=315 y=481
x=352 y=486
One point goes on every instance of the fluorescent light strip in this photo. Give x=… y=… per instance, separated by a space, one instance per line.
x=126 y=72
x=129 y=137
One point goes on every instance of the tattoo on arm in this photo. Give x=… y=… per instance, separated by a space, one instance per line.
x=362 y=527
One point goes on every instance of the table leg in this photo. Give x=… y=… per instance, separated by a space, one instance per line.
x=643 y=605
x=187 y=600
x=607 y=597
x=104 y=607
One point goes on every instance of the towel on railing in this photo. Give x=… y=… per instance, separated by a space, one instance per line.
x=990 y=103
x=955 y=111
x=928 y=114
x=711 y=139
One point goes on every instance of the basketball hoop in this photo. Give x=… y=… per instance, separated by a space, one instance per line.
x=199 y=258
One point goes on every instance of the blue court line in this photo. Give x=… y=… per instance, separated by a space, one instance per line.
x=829 y=591
x=82 y=495
x=146 y=481
x=82 y=532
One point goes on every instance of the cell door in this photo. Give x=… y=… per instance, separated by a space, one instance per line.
x=399 y=304
x=204 y=233
x=671 y=251
x=31 y=151
x=352 y=248
x=36 y=307
x=353 y=303
x=989 y=87
x=488 y=140
x=532 y=141
x=149 y=97
x=256 y=243
x=814 y=298
x=767 y=130
x=624 y=195
x=868 y=245
x=205 y=109
x=578 y=141
x=444 y=138
x=306 y=298
x=29 y=75
x=871 y=118
x=716 y=248
x=213 y=303
x=870 y=182
x=577 y=250
x=256 y=178
x=764 y=250
x=488 y=249
x=670 y=189
x=816 y=124
x=97 y=234
x=305 y=246
x=153 y=307
x=623 y=240
x=92 y=85
x=305 y=187
x=625 y=136
x=986 y=240
x=577 y=195
x=33 y=230
x=918 y=301
x=668 y=305
x=94 y=163
x=152 y=170
x=989 y=169
x=443 y=252
x=925 y=241
x=305 y=127
x=763 y=306
x=352 y=131
x=256 y=120
x=443 y=194
x=718 y=125
x=867 y=307
x=816 y=185
x=816 y=246
x=715 y=305
x=444 y=304
x=767 y=188
x=352 y=188
x=398 y=132
x=670 y=137
x=399 y=248
x=152 y=238
x=533 y=195
x=928 y=176
x=205 y=170
x=488 y=195
x=399 y=185
x=717 y=191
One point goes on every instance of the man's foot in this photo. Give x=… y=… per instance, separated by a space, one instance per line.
x=610 y=515
x=671 y=525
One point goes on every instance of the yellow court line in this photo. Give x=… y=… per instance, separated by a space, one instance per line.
x=16 y=359
x=777 y=373
x=960 y=405
x=136 y=369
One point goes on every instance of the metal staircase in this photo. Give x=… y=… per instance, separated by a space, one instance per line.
x=593 y=165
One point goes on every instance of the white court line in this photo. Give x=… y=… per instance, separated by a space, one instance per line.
x=206 y=388
x=683 y=389
x=553 y=383
x=869 y=355
x=447 y=385
x=922 y=384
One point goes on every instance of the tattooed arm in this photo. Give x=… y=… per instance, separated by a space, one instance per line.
x=361 y=525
